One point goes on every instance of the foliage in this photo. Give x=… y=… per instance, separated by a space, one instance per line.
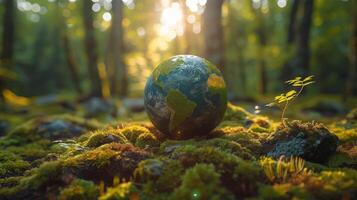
x=292 y=94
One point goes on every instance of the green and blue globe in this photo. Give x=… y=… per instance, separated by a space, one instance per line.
x=185 y=96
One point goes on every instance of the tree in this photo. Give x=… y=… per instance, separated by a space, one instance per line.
x=352 y=75
x=8 y=38
x=298 y=35
x=91 y=49
x=303 y=48
x=213 y=33
x=119 y=79
x=260 y=31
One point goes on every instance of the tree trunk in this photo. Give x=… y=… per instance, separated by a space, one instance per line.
x=213 y=33
x=260 y=32
x=292 y=22
x=303 y=48
x=119 y=82
x=8 y=32
x=91 y=49
x=352 y=72
x=8 y=39
x=72 y=65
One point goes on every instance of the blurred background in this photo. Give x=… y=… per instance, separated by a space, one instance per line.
x=107 y=48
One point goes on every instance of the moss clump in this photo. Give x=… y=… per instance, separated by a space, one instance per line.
x=236 y=113
x=12 y=165
x=201 y=182
x=147 y=140
x=238 y=175
x=123 y=191
x=106 y=162
x=352 y=115
x=311 y=141
x=101 y=137
x=79 y=190
x=132 y=132
x=158 y=176
x=50 y=128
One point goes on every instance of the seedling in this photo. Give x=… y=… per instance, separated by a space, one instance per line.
x=285 y=98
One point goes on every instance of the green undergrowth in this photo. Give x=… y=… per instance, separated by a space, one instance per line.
x=68 y=157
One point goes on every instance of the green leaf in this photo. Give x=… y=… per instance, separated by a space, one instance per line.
x=298 y=84
x=308 y=83
x=290 y=93
x=308 y=78
x=270 y=104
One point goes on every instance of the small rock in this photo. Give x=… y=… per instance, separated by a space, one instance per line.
x=4 y=127
x=311 y=141
x=97 y=106
x=59 y=129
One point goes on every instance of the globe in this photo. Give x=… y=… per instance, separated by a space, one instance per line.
x=185 y=96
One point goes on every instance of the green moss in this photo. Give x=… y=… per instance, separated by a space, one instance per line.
x=79 y=190
x=158 y=176
x=147 y=140
x=180 y=106
x=236 y=113
x=283 y=191
x=123 y=191
x=239 y=176
x=132 y=132
x=101 y=137
x=201 y=182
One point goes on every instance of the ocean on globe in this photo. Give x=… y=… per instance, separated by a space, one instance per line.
x=185 y=96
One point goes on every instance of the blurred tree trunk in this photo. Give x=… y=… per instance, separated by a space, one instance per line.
x=260 y=31
x=8 y=39
x=292 y=22
x=351 y=85
x=91 y=49
x=303 y=47
x=119 y=80
x=8 y=32
x=298 y=36
x=71 y=62
x=213 y=33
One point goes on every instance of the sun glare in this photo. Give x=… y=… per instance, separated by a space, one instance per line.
x=171 y=21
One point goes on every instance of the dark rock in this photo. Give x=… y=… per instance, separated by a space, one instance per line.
x=4 y=127
x=311 y=141
x=134 y=105
x=96 y=106
x=59 y=129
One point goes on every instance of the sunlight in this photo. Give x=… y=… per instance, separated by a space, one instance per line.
x=171 y=21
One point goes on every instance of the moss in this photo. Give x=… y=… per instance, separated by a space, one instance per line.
x=201 y=182
x=283 y=191
x=352 y=115
x=236 y=113
x=106 y=162
x=101 y=137
x=311 y=141
x=79 y=190
x=51 y=128
x=238 y=175
x=132 y=132
x=123 y=191
x=158 y=176
x=341 y=160
x=147 y=140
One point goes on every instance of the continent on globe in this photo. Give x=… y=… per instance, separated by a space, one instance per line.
x=185 y=97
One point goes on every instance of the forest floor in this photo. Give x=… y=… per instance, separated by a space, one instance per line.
x=58 y=149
